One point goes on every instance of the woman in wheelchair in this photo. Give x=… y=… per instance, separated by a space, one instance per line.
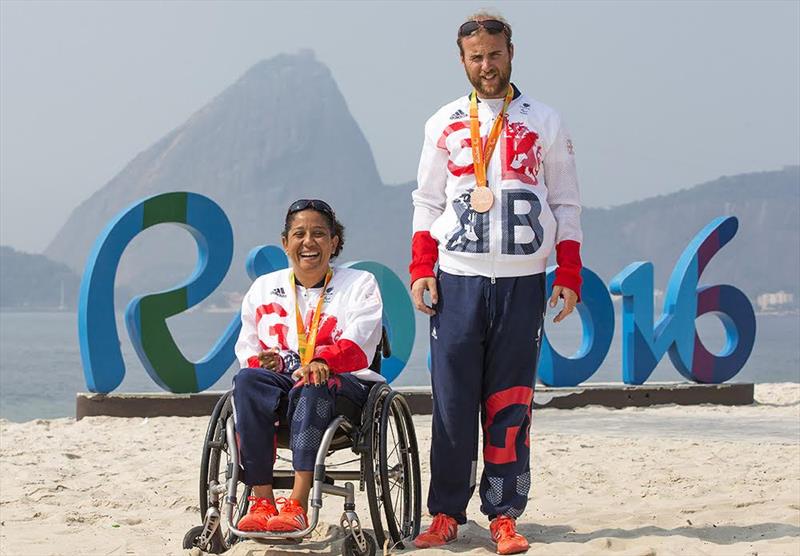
x=308 y=334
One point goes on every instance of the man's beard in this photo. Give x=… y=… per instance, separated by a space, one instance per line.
x=504 y=78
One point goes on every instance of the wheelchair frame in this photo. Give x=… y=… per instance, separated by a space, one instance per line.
x=384 y=415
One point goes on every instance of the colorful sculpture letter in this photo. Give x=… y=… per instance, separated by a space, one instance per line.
x=643 y=345
x=597 y=318
x=103 y=366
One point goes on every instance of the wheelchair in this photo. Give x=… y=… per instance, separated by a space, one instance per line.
x=381 y=434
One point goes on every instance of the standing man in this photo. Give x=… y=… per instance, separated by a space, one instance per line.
x=497 y=192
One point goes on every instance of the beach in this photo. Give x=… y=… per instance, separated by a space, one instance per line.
x=699 y=480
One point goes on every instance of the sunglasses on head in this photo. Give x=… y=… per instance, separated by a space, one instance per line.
x=493 y=26
x=316 y=204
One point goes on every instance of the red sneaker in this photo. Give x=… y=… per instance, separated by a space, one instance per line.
x=292 y=517
x=504 y=533
x=261 y=511
x=443 y=530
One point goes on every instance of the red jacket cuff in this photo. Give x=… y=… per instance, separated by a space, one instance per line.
x=424 y=254
x=343 y=357
x=568 y=271
x=253 y=362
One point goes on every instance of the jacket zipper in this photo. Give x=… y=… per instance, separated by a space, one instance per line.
x=493 y=231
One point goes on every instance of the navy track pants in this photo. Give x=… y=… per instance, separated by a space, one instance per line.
x=257 y=395
x=485 y=339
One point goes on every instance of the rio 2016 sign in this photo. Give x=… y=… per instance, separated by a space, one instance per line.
x=643 y=343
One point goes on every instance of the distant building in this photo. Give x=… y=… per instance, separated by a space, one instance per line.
x=774 y=301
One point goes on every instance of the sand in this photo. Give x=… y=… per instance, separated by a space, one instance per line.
x=701 y=480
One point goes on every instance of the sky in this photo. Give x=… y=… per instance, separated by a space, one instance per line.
x=659 y=96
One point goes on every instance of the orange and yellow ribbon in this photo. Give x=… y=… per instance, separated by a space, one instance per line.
x=481 y=158
x=307 y=340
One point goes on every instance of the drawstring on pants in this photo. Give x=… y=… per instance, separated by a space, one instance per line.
x=488 y=296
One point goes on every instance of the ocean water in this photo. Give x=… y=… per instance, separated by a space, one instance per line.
x=40 y=367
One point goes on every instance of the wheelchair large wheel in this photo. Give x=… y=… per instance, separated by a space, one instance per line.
x=391 y=468
x=216 y=469
x=399 y=470
x=370 y=464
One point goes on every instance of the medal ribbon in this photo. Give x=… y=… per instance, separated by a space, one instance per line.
x=307 y=340
x=480 y=159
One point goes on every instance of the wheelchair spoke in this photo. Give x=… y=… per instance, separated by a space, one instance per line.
x=397 y=499
x=394 y=438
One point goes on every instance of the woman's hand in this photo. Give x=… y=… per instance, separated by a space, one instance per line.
x=316 y=373
x=270 y=360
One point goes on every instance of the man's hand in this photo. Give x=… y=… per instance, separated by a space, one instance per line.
x=270 y=360
x=570 y=299
x=316 y=373
x=418 y=289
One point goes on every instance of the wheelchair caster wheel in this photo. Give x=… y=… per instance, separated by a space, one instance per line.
x=214 y=546
x=350 y=548
x=190 y=536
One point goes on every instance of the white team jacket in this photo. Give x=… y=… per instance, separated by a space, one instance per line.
x=349 y=327
x=531 y=173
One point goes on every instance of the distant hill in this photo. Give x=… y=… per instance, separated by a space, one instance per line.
x=283 y=131
x=764 y=256
x=35 y=282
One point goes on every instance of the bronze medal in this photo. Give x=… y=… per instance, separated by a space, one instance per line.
x=481 y=199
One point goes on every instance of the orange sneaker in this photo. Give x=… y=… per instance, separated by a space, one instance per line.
x=261 y=511
x=443 y=529
x=292 y=517
x=504 y=533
